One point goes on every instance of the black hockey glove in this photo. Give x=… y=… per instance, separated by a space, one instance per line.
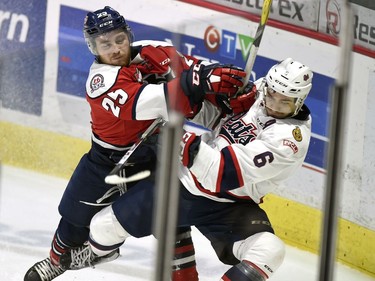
x=216 y=78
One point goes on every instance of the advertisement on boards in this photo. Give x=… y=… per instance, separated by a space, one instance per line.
x=323 y=16
x=303 y=13
x=22 y=55
x=363 y=20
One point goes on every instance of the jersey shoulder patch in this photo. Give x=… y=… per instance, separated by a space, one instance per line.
x=101 y=78
x=294 y=136
x=297 y=134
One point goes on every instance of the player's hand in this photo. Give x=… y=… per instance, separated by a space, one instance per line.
x=155 y=60
x=222 y=79
x=201 y=79
x=189 y=148
x=244 y=100
x=240 y=103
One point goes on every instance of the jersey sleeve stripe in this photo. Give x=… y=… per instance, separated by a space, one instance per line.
x=220 y=174
x=231 y=176
x=237 y=165
x=136 y=97
x=201 y=188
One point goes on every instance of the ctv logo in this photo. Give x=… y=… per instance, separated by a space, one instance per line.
x=14 y=22
x=226 y=41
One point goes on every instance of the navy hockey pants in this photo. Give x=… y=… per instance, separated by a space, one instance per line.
x=87 y=185
x=222 y=223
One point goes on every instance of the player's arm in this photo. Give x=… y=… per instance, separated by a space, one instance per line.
x=238 y=165
x=186 y=93
x=229 y=168
x=208 y=116
x=128 y=97
x=218 y=106
x=161 y=58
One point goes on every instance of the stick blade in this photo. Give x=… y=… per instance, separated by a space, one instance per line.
x=116 y=179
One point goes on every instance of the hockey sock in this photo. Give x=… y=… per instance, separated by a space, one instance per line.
x=244 y=271
x=184 y=266
x=57 y=249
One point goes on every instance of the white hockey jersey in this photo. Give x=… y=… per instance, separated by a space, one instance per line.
x=247 y=155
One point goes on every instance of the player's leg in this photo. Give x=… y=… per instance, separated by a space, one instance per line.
x=110 y=234
x=72 y=230
x=66 y=236
x=260 y=254
x=184 y=265
x=242 y=236
x=105 y=247
x=253 y=249
x=130 y=215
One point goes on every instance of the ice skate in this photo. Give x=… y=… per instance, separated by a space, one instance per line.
x=43 y=271
x=84 y=257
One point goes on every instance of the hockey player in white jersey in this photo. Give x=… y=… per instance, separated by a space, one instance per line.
x=248 y=156
x=225 y=174
x=262 y=147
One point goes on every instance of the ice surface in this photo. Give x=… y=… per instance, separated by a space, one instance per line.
x=28 y=218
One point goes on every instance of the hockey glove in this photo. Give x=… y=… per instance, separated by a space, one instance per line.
x=189 y=148
x=155 y=61
x=241 y=103
x=222 y=101
x=213 y=79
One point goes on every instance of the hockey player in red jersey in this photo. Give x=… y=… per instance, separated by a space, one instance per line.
x=225 y=174
x=130 y=85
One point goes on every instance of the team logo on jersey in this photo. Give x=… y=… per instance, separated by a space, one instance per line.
x=297 y=134
x=96 y=82
x=235 y=130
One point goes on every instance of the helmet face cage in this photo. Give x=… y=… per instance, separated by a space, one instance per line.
x=103 y=21
x=292 y=79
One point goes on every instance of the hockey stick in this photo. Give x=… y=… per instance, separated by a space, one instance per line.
x=113 y=177
x=117 y=179
x=120 y=187
x=255 y=46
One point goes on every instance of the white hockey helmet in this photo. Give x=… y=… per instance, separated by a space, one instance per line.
x=292 y=79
